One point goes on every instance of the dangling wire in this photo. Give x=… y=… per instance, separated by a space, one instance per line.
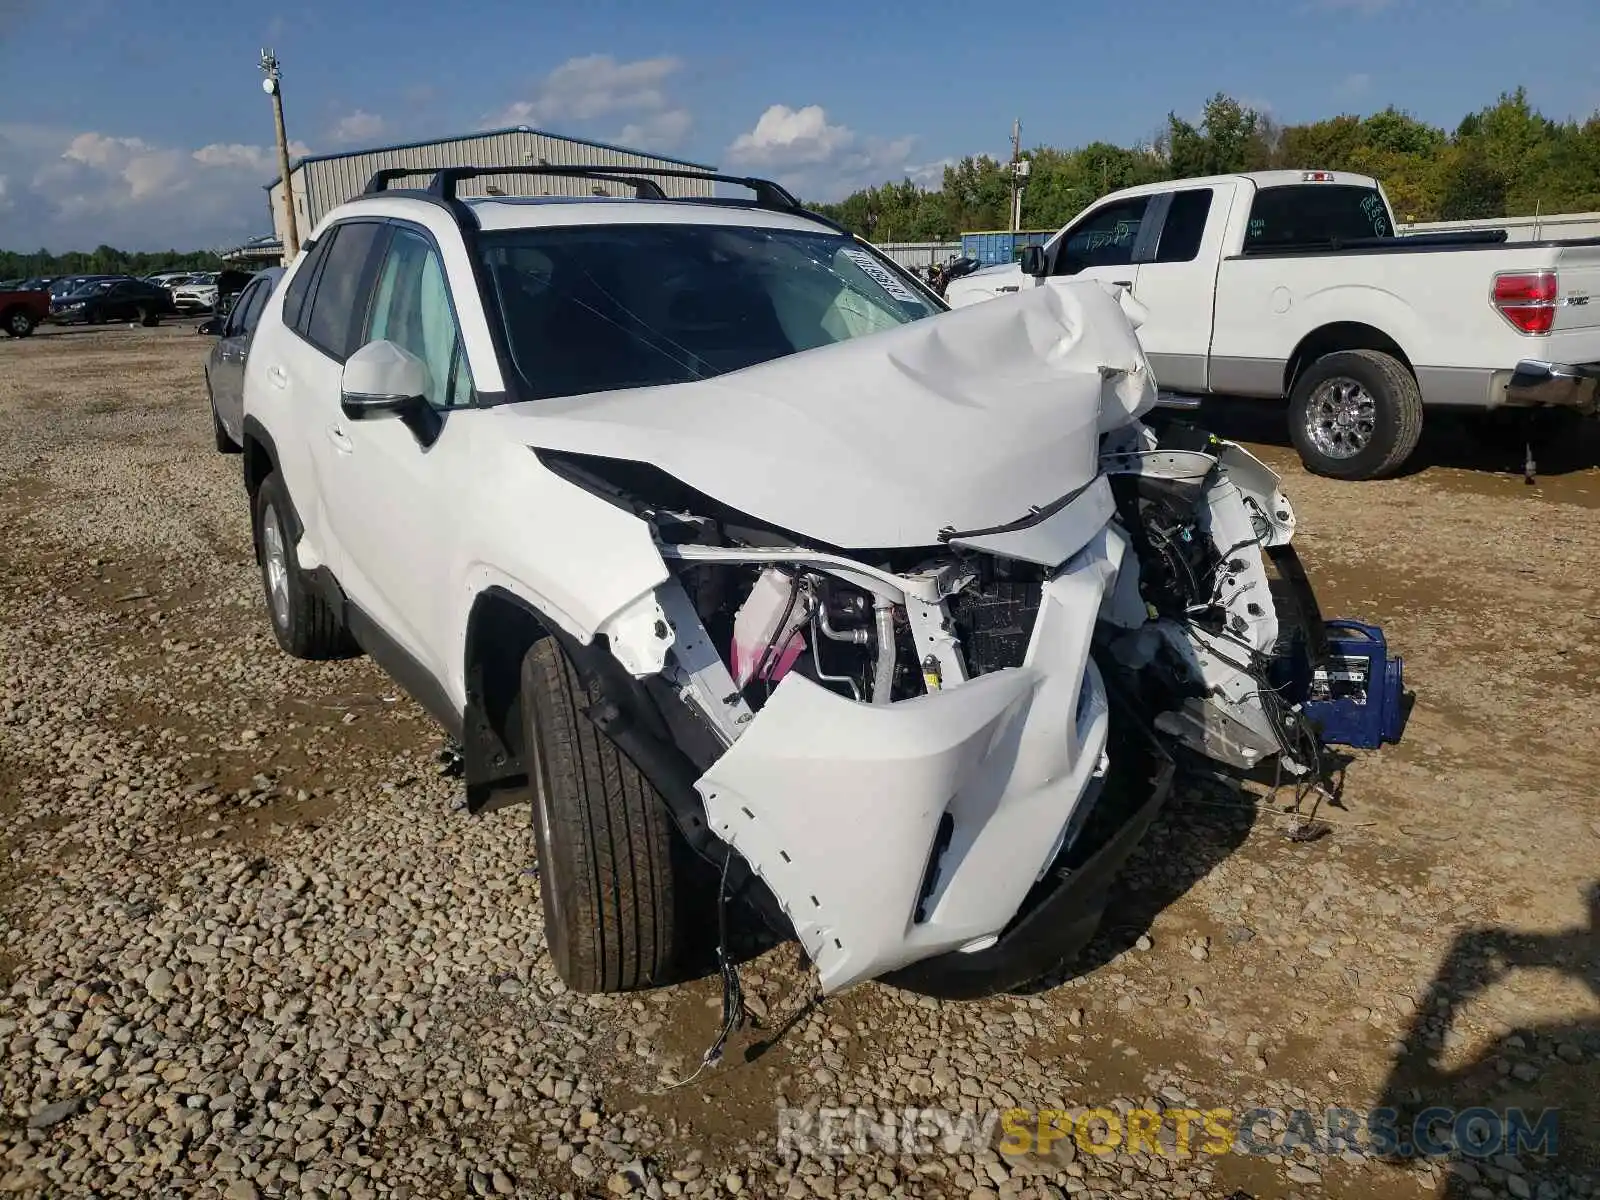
x=735 y=1014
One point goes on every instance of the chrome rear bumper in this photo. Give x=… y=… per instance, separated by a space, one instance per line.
x=1564 y=385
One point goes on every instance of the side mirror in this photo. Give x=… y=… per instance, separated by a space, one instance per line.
x=1033 y=261
x=212 y=327
x=385 y=379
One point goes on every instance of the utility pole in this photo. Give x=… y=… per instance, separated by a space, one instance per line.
x=1016 y=155
x=272 y=86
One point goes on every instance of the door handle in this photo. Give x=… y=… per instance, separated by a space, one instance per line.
x=340 y=442
x=277 y=377
x=1127 y=283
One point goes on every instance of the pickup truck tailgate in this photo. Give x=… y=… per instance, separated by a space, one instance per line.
x=1578 y=294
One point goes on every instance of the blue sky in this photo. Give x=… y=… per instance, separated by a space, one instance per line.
x=142 y=124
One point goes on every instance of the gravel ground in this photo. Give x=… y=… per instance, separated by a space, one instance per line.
x=251 y=946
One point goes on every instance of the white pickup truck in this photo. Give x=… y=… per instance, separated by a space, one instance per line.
x=1294 y=284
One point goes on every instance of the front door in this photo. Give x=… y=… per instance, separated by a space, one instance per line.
x=392 y=501
x=1101 y=245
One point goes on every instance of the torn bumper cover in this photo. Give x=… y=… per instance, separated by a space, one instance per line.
x=893 y=833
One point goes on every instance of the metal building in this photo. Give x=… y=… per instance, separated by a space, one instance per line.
x=324 y=181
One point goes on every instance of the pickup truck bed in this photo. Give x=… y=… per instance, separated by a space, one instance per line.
x=1292 y=285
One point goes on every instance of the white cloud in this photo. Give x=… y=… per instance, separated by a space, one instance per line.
x=822 y=160
x=596 y=85
x=73 y=189
x=150 y=172
x=260 y=160
x=790 y=137
x=664 y=130
x=356 y=127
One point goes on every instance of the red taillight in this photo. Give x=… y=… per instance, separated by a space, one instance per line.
x=1527 y=299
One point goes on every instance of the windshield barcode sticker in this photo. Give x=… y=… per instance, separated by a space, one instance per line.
x=880 y=275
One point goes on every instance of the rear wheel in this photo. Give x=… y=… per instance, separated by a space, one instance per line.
x=303 y=621
x=19 y=323
x=606 y=866
x=1355 y=414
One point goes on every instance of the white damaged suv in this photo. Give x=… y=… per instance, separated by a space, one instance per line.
x=710 y=532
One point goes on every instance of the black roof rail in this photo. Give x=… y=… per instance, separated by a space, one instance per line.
x=767 y=193
x=643 y=188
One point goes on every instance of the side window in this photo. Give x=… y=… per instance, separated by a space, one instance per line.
x=412 y=309
x=256 y=301
x=1185 y=226
x=247 y=309
x=1105 y=239
x=300 y=286
x=339 y=302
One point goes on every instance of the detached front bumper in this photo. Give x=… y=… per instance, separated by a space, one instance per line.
x=892 y=833
x=1537 y=383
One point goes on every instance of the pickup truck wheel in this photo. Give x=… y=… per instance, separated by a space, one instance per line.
x=603 y=839
x=1355 y=414
x=303 y=621
x=19 y=323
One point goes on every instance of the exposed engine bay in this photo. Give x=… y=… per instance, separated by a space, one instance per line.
x=936 y=754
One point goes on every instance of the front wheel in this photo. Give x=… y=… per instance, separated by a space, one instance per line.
x=1355 y=414
x=604 y=840
x=149 y=317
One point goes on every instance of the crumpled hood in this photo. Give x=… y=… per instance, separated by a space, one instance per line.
x=966 y=420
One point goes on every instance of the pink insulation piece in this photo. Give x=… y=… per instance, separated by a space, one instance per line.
x=773 y=615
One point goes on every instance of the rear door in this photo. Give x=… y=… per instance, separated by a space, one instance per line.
x=121 y=302
x=227 y=364
x=301 y=373
x=1177 y=283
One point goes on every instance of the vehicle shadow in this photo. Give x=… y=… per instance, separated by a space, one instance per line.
x=1204 y=822
x=1493 y=443
x=1526 y=1073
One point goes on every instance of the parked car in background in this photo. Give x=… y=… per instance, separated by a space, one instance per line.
x=225 y=363
x=64 y=285
x=198 y=295
x=22 y=309
x=103 y=300
x=1294 y=285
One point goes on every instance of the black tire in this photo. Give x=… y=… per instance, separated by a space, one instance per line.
x=303 y=621
x=19 y=323
x=149 y=317
x=1378 y=442
x=606 y=867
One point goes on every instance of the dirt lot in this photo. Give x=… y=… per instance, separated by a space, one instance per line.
x=249 y=945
